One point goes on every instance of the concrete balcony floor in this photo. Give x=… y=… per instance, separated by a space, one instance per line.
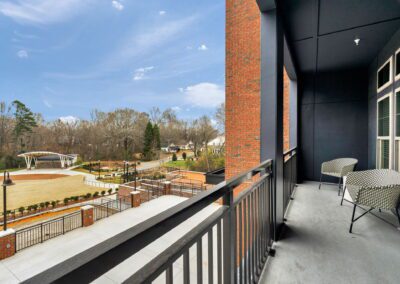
x=318 y=248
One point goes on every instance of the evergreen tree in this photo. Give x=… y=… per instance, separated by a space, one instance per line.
x=156 y=137
x=24 y=121
x=148 y=142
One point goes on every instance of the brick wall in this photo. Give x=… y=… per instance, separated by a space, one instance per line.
x=242 y=86
x=286 y=111
x=7 y=244
x=243 y=67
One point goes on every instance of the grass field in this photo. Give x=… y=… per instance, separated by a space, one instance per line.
x=176 y=164
x=9 y=170
x=25 y=193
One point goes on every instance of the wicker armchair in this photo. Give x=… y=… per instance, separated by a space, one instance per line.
x=376 y=189
x=338 y=168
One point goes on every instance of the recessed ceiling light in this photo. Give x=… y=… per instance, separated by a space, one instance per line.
x=357 y=41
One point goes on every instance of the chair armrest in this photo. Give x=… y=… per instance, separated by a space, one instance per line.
x=327 y=167
x=379 y=197
x=347 y=169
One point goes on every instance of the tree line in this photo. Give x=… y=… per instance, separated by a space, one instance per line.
x=121 y=134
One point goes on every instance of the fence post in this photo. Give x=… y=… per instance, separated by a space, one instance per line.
x=87 y=215
x=63 y=224
x=41 y=232
x=7 y=243
x=229 y=244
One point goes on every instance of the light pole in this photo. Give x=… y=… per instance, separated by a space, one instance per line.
x=6 y=182
x=135 y=174
x=99 y=169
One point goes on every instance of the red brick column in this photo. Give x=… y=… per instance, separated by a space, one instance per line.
x=135 y=198
x=87 y=215
x=7 y=243
x=167 y=187
x=243 y=88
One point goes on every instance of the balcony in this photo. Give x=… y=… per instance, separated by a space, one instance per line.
x=317 y=247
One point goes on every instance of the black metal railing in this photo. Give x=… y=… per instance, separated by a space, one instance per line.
x=110 y=207
x=231 y=245
x=42 y=232
x=289 y=175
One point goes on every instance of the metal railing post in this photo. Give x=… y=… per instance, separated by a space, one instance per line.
x=229 y=245
x=41 y=232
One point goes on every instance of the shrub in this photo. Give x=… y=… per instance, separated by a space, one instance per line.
x=103 y=192
x=66 y=200
x=116 y=190
x=21 y=209
x=76 y=198
x=35 y=207
x=53 y=204
x=96 y=194
x=109 y=191
x=88 y=195
x=47 y=204
x=174 y=157
x=30 y=208
x=184 y=156
x=42 y=204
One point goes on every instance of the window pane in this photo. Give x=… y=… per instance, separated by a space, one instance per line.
x=384 y=75
x=398 y=114
x=396 y=155
x=384 y=154
x=397 y=64
x=384 y=117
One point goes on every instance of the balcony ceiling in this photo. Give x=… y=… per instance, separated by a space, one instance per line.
x=322 y=32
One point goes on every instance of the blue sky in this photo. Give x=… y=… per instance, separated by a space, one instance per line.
x=67 y=57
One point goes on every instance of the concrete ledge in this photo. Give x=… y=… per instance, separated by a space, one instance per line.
x=6 y=233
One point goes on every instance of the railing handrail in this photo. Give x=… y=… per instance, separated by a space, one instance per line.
x=48 y=222
x=173 y=252
x=287 y=152
x=125 y=244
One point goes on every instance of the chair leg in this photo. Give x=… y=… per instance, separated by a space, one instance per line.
x=352 y=219
x=398 y=213
x=320 y=181
x=344 y=190
x=340 y=181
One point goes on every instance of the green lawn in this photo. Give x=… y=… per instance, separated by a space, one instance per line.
x=176 y=164
x=10 y=170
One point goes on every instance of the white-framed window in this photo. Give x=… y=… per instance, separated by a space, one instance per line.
x=397 y=65
x=384 y=132
x=397 y=130
x=384 y=75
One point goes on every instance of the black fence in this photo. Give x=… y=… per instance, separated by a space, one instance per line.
x=289 y=175
x=110 y=207
x=42 y=232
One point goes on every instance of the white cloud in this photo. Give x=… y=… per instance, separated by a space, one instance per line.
x=140 y=73
x=162 y=13
x=144 y=42
x=47 y=103
x=203 y=47
x=42 y=11
x=69 y=119
x=117 y=5
x=22 y=54
x=176 y=108
x=205 y=95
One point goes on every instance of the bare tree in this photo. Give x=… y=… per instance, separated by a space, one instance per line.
x=220 y=118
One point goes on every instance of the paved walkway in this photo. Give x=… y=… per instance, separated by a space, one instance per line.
x=31 y=261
